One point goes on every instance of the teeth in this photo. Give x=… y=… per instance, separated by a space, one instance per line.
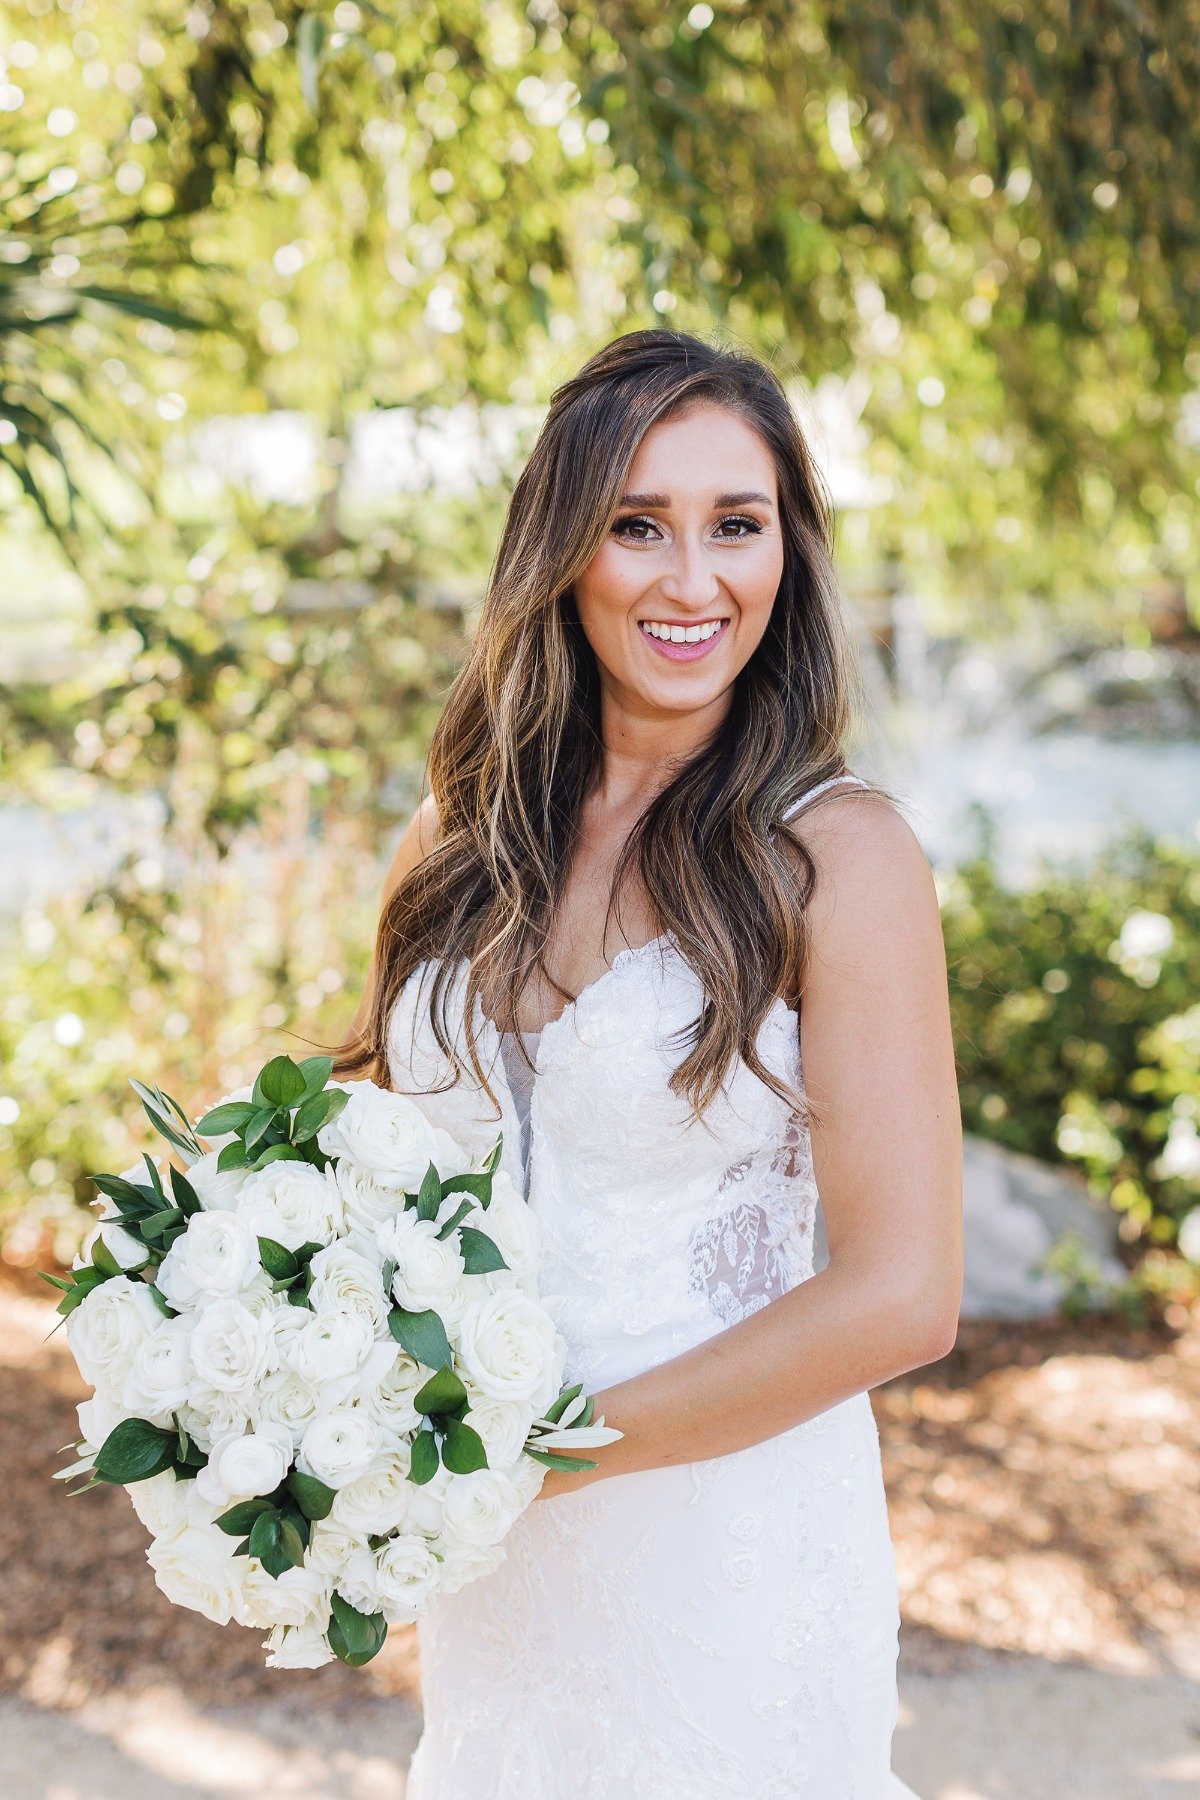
x=681 y=634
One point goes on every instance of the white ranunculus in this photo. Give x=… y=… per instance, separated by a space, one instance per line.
x=162 y=1503
x=427 y=1501
x=328 y=1349
x=428 y=1268
x=356 y=1583
x=510 y=1348
x=386 y=1134
x=331 y=1546
x=462 y=1563
x=377 y=1500
x=406 y=1574
x=299 y=1597
x=108 y=1327
x=347 y=1281
x=211 y=1260
x=259 y=1296
x=244 y=1465
x=128 y=1251
x=297 y=1647
x=480 y=1508
x=98 y=1415
x=231 y=1352
x=196 y=1568
x=339 y=1446
x=159 y=1376
x=392 y=1399
x=218 y=1190
x=283 y=1399
x=503 y=1425
x=368 y=1204
x=293 y=1203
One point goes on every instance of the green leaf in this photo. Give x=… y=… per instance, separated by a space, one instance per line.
x=316 y=1071
x=479 y=1252
x=240 y=1518
x=429 y=1198
x=158 y=1222
x=277 y=1259
x=277 y=1153
x=134 y=1450
x=232 y=1156
x=267 y=1543
x=291 y=1543
x=492 y=1160
x=262 y=1122
x=354 y=1637
x=58 y=1281
x=186 y=1197
x=557 y=1408
x=160 y=1300
x=104 y=1260
x=280 y=1083
x=316 y=1111
x=559 y=1462
x=440 y=1393
x=459 y=1213
x=423 y=1466
x=478 y=1185
x=462 y=1448
x=423 y=1335
x=229 y=1117
x=312 y=1496
x=168 y=1119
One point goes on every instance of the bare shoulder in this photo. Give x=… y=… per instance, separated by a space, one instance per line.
x=872 y=873
x=416 y=841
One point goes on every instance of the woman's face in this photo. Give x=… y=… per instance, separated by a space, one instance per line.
x=679 y=595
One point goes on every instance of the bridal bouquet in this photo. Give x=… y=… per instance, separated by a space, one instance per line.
x=322 y=1368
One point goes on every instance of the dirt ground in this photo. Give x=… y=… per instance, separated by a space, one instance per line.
x=1044 y=1483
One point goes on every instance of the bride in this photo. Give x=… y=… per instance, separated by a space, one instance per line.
x=642 y=887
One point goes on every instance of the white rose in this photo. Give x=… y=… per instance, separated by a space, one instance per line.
x=218 y=1190
x=98 y=1415
x=212 y=1259
x=356 y=1583
x=513 y=1227
x=196 y=1568
x=426 y=1503
x=503 y=1425
x=293 y=1203
x=391 y=1401
x=158 y=1380
x=108 y=1327
x=528 y=1475
x=331 y=1546
x=283 y=1399
x=297 y=1647
x=510 y=1348
x=386 y=1134
x=480 y=1508
x=367 y=1204
x=345 y=1280
x=406 y=1574
x=339 y=1446
x=299 y=1597
x=161 y=1503
x=377 y=1500
x=462 y=1563
x=243 y=1465
x=428 y=1268
x=231 y=1351
x=128 y=1251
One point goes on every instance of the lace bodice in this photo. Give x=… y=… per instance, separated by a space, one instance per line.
x=657 y=1228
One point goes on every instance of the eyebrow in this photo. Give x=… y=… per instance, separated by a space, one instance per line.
x=660 y=500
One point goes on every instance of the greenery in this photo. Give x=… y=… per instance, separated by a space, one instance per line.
x=1076 y=1022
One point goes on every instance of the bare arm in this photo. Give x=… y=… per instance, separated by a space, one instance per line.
x=887 y=1154
x=416 y=841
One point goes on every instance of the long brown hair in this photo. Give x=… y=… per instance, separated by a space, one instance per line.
x=517 y=747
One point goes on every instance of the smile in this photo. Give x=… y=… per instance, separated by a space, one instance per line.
x=682 y=643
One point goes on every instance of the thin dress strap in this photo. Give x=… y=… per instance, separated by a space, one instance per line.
x=820 y=789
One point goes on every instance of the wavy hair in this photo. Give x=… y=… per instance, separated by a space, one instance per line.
x=517 y=747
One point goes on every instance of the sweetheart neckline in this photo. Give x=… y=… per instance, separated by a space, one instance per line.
x=627 y=953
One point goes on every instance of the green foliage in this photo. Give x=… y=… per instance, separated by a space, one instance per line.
x=1076 y=1024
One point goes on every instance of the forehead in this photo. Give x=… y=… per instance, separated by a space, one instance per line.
x=705 y=446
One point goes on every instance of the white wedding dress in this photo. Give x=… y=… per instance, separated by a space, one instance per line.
x=720 y=1630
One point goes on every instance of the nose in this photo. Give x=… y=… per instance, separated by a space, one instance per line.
x=690 y=580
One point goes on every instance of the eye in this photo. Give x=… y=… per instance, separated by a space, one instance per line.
x=630 y=527
x=752 y=525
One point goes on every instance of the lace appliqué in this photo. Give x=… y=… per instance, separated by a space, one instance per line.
x=761 y=1245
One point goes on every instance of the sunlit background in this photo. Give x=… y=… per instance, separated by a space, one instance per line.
x=284 y=291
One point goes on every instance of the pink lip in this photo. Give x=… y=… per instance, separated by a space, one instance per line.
x=684 y=652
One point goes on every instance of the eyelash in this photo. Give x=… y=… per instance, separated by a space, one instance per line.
x=621 y=526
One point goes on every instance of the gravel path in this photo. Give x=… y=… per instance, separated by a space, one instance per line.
x=1045 y=1493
